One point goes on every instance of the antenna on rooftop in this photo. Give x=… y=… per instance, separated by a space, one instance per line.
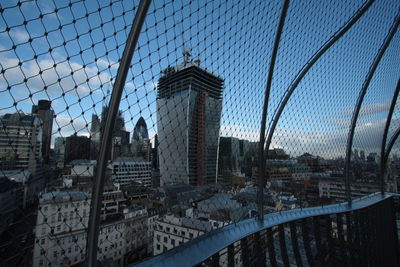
x=186 y=54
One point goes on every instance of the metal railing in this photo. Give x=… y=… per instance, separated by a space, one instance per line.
x=364 y=234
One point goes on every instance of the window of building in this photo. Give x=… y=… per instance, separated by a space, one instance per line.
x=42 y=241
x=190 y=235
x=173 y=242
x=165 y=239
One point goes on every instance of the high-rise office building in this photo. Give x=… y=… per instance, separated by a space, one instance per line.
x=59 y=146
x=21 y=142
x=76 y=147
x=43 y=110
x=141 y=146
x=95 y=128
x=119 y=134
x=189 y=104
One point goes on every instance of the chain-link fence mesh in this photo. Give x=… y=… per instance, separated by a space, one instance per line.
x=184 y=158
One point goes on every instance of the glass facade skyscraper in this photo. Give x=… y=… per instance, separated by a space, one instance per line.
x=189 y=104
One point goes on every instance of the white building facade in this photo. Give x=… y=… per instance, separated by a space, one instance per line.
x=126 y=170
x=61 y=231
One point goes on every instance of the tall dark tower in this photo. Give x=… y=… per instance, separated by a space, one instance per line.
x=189 y=104
x=44 y=112
x=119 y=134
x=95 y=136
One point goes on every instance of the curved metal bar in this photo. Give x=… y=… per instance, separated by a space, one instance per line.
x=261 y=163
x=195 y=251
x=311 y=62
x=98 y=185
x=360 y=99
x=385 y=133
x=391 y=143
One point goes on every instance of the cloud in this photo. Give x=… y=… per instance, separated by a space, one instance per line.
x=55 y=76
x=19 y=36
x=105 y=62
x=327 y=143
x=343 y=116
x=330 y=143
x=69 y=126
x=240 y=131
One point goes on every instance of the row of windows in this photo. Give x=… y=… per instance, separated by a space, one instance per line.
x=66 y=205
x=173 y=231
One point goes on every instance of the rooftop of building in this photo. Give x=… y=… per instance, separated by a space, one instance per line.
x=83 y=162
x=19 y=119
x=129 y=160
x=62 y=196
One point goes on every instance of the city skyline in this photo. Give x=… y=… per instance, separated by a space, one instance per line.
x=328 y=126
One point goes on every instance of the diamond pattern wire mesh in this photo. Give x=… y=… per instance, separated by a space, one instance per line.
x=183 y=159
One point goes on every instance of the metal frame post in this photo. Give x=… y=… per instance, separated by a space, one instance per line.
x=261 y=156
x=98 y=185
x=360 y=99
x=391 y=143
x=384 y=137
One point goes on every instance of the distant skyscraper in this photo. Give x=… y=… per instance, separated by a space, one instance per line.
x=119 y=131
x=95 y=136
x=362 y=155
x=21 y=142
x=154 y=156
x=141 y=146
x=59 y=146
x=189 y=104
x=43 y=110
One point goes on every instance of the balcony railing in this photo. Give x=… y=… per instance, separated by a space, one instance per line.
x=363 y=234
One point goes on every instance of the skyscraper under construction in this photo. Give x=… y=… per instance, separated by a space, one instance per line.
x=189 y=104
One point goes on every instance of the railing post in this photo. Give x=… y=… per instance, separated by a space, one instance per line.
x=384 y=137
x=394 y=235
x=98 y=184
x=261 y=155
x=391 y=144
x=360 y=99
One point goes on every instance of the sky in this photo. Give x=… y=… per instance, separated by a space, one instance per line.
x=70 y=50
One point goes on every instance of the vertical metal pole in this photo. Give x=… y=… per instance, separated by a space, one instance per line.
x=94 y=219
x=310 y=63
x=384 y=137
x=261 y=156
x=391 y=144
x=360 y=99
